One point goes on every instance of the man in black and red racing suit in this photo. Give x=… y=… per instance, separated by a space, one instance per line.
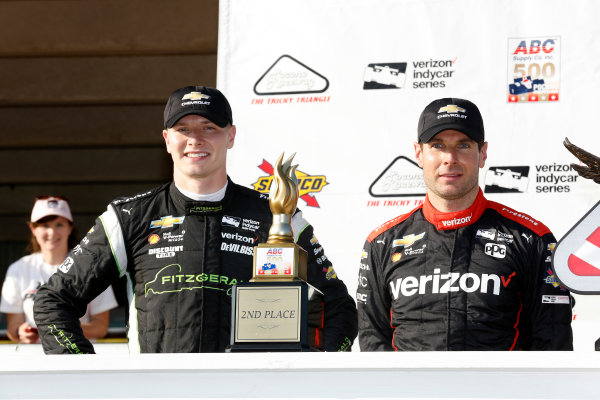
x=475 y=278
x=181 y=257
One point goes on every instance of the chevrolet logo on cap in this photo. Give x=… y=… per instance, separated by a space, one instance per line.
x=451 y=108
x=195 y=96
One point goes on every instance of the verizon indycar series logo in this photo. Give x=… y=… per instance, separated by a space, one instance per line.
x=385 y=76
x=289 y=76
x=420 y=74
x=307 y=184
x=507 y=179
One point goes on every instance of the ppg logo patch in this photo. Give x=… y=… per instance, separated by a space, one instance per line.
x=495 y=250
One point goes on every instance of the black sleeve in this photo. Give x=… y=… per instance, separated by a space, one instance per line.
x=340 y=321
x=374 y=306
x=87 y=271
x=547 y=308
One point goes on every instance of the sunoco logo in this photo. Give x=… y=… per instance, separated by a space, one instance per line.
x=446 y=283
x=307 y=184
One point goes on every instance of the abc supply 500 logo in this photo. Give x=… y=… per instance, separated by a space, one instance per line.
x=307 y=184
x=533 y=69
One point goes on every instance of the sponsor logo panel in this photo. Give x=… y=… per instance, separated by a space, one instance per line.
x=533 y=69
x=403 y=177
x=307 y=184
x=408 y=240
x=412 y=252
x=153 y=239
x=551 y=279
x=137 y=196
x=549 y=299
x=438 y=283
x=330 y=274
x=286 y=80
x=166 y=222
x=165 y=252
x=546 y=178
x=513 y=179
x=414 y=74
x=66 y=265
x=384 y=76
x=486 y=234
x=231 y=221
x=456 y=222
x=172 y=279
x=495 y=250
x=361 y=298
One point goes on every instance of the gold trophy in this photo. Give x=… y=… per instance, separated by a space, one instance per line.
x=272 y=311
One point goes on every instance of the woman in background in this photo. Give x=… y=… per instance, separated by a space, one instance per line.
x=52 y=236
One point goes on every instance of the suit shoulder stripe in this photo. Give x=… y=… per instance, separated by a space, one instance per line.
x=524 y=219
x=390 y=224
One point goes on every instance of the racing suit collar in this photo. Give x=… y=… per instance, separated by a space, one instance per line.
x=201 y=207
x=454 y=220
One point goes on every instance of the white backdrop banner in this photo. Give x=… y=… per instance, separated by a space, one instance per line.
x=342 y=83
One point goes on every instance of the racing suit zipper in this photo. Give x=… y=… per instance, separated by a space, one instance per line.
x=203 y=258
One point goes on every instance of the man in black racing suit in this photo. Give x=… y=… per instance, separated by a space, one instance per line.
x=459 y=272
x=182 y=247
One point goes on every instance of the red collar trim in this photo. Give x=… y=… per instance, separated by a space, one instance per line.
x=445 y=221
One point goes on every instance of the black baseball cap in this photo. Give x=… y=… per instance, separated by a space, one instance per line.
x=201 y=100
x=450 y=113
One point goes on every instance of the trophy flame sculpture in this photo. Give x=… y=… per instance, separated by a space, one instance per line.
x=283 y=199
x=591 y=167
x=278 y=286
x=280 y=258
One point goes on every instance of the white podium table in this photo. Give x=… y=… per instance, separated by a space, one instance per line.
x=457 y=375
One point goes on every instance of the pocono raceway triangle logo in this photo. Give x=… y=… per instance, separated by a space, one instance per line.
x=307 y=184
x=576 y=259
x=288 y=76
x=403 y=177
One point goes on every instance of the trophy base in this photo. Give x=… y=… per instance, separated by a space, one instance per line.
x=275 y=317
x=267 y=347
